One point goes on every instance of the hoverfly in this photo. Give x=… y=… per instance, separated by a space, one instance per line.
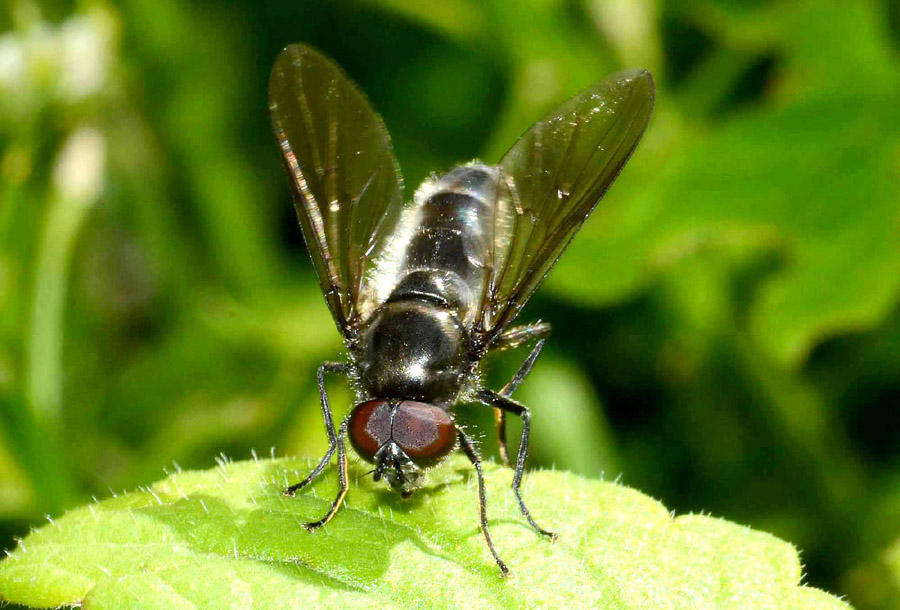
x=422 y=291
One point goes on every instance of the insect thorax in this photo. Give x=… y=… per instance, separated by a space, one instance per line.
x=413 y=349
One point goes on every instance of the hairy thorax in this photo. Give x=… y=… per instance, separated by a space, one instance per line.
x=413 y=349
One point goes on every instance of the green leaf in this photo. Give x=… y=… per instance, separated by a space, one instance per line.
x=226 y=537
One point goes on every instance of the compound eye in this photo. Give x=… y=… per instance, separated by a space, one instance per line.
x=370 y=427
x=425 y=432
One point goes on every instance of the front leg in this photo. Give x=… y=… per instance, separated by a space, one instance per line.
x=498 y=401
x=471 y=451
x=342 y=474
x=335 y=443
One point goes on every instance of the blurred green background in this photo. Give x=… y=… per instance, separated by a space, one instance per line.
x=726 y=326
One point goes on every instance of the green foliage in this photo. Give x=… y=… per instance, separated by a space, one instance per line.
x=892 y=561
x=726 y=326
x=227 y=537
x=757 y=183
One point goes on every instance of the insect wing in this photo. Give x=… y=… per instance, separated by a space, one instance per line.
x=553 y=177
x=346 y=182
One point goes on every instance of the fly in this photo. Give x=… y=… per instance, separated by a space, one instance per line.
x=421 y=292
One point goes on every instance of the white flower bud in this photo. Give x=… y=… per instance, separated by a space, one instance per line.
x=80 y=170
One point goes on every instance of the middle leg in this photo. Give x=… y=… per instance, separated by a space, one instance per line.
x=511 y=339
x=498 y=401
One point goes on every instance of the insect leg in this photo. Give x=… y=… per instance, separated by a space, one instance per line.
x=342 y=470
x=507 y=390
x=498 y=401
x=513 y=338
x=516 y=336
x=326 y=367
x=471 y=451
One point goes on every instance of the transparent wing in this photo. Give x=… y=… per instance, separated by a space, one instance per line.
x=551 y=180
x=347 y=187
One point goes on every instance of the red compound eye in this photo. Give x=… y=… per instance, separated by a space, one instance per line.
x=370 y=427
x=425 y=432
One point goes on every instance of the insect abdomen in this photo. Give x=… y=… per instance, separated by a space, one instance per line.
x=444 y=258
